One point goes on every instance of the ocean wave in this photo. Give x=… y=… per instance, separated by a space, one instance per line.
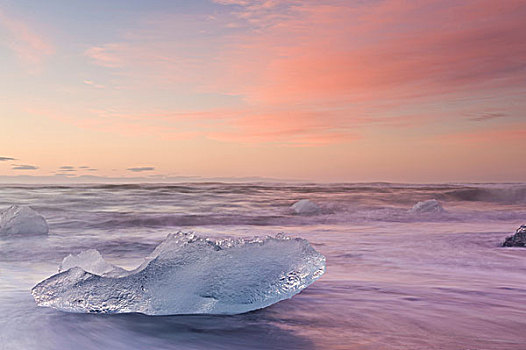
x=174 y=220
x=503 y=194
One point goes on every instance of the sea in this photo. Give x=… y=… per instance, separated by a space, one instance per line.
x=396 y=278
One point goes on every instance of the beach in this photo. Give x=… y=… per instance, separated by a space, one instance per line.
x=396 y=277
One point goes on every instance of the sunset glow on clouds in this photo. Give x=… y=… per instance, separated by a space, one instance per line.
x=320 y=90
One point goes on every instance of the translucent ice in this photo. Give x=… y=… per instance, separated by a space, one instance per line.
x=190 y=275
x=91 y=261
x=429 y=206
x=22 y=220
x=305 y=207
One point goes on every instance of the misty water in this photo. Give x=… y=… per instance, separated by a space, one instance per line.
x=396 y=278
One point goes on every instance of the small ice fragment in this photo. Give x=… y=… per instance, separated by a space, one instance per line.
x=429 y=206
x=187 y=274
x=305 y=207
x=91 y=261
x=22 y=220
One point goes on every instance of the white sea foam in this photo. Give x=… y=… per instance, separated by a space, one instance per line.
x=429 y=206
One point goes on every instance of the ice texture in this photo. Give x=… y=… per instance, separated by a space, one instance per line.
x=91 y=261
x=187 y=274
x=22 y=220
x=305 y=207
x=429 y=206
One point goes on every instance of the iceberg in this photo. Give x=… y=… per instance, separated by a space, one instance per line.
x=22 y=220
x=429 y=206
x=305 y=207
x=91 y=261
x=187 y=274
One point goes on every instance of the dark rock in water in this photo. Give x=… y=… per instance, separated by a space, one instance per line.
x=518 y=239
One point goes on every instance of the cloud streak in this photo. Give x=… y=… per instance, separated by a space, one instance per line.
x=488 y=116
x=93 y=84
x=141 y=169
x=24 y=167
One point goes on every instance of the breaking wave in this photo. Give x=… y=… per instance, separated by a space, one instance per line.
x=513 y=194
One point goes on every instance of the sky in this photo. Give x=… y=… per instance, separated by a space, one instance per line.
x=332 y=91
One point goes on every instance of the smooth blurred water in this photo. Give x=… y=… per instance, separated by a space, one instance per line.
x=395 y=279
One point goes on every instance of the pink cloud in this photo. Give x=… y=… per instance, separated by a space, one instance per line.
x=381 y=50
x=319 y=72
x=30 y=47
x=232 y=2
x=106 y=55
x=91 y=83
x=149 y=65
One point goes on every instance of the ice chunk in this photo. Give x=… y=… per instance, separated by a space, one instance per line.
x=190 y=275
x=429 y=206
x=305 y=207
x=91 y=261
x=22 y=220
